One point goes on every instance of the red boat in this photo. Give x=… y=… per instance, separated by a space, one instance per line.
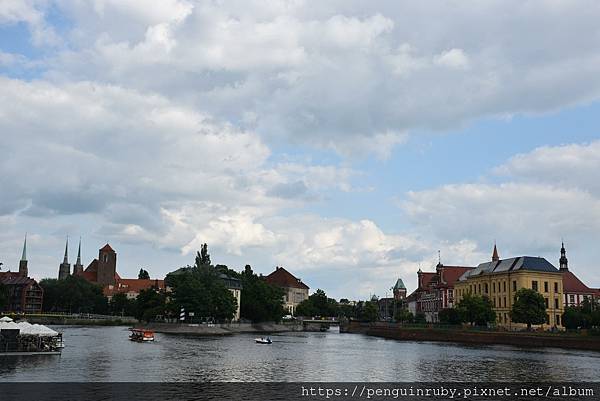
x=141 y=335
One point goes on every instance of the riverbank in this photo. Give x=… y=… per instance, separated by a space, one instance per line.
x=466 y=336
x=223 y=329
x=73 y=320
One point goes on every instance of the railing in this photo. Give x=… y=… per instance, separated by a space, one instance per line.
x=65 y=315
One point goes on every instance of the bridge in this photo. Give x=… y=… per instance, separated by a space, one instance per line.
x=319 y=324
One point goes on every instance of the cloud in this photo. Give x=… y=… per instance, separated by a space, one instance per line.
x=351 y=77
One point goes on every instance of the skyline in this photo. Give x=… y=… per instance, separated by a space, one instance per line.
x=347 y=142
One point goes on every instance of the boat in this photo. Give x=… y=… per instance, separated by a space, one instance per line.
x=141 y=335
x=263 y=340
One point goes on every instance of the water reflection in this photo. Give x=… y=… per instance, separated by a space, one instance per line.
x=106 y=354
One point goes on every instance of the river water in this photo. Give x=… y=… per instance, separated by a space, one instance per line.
x=106 y=354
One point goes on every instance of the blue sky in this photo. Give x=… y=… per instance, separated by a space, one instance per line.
x=348 y=142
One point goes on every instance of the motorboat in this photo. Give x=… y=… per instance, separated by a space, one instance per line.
x=263 y=340
x=141 y=335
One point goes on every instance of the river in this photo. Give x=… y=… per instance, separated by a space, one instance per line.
x=106 y=354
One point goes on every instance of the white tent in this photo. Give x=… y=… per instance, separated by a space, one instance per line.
x=42 y=331
x=5 y=319
x=9 y=326
x=25 y=327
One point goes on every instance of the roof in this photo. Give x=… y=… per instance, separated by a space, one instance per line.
x=451 y=274
x=520 y=263
x=125 y=285
x=427 y=277
x=283 y=278
x=572 y=285
x=13 y=278
x=107 y=248
x=399 y=284
x=91 y=272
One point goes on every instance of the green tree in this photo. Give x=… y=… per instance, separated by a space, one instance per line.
x=476 y=310
x=528 y=307
x=450 y=316
x=199 y=289
x=420 y=318
x=571 y=318
x=403 y=315
x=121 y=305
x=318 y=304
x=370 y=312
x=149 y=304
x=143 y=275
x=261 y=301
x=74 y=295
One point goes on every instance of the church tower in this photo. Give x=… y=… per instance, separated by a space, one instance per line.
x=78 y=267
x=563 y=261
x=64 y=270
x=107 y=265
x=495 y=257
x=23 y=271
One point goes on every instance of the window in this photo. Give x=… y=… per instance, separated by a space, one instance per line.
x=557 y=320
x=572 y=298
x=505 y=302
x=555 y=287
x=494 y=302
x=545 y=286
x=534 y=285
x=514 y=286
x=479 y=289
x=485 y=287
x=494 y=287
x=547 y=319
x=546 y=302
x=556 y=303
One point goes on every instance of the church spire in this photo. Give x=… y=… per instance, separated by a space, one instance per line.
x=495 y=257
x=563 y=261
x=79 y=252
x=24 y=255
x=78 y=267
x=66 y=258
x=23 y=270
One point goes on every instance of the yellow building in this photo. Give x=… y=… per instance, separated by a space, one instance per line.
x=500 y=279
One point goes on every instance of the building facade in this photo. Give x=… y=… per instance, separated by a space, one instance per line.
x=103 y=271
x=24 y=294
x=574 y=290
x=500 y=279
x=295 y=291
x=435 y=290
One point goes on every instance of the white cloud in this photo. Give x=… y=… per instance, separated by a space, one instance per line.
x=453 y=58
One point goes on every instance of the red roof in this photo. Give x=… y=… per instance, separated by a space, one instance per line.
x=427 y=276
x=572 y=285
x=451 y=274
x=107 y=248
x=125 y=285
x=283 y=278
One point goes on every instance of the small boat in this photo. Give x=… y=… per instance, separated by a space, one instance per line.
x=141 y=335
x=263 y=340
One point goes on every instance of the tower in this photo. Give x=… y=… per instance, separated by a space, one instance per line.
x=563 y=261
x=64 y=270
x=399 y=290
x=23 y=271
x=495 y=257
x=78 y=267
x=107 y=265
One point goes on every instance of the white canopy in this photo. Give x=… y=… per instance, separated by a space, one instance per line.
x=9 y=326
x=42 y=331
x=5 y=319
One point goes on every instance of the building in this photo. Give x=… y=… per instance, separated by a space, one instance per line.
x=500 y=279
x=103 y=271
x=399 y=290
x=435 y=290
x=574 y=290
x=64 y=269
x=24 y=294
x=295 y=291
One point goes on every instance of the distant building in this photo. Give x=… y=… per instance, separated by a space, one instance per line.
x=103 y=271
x=24 y=293
x=435 y=290
x=64 y=269
x=500 y=279
x=399 y=290
x=574 y=290
x=295 y=291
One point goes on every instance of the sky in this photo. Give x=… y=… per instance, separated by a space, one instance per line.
x=347 y=141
